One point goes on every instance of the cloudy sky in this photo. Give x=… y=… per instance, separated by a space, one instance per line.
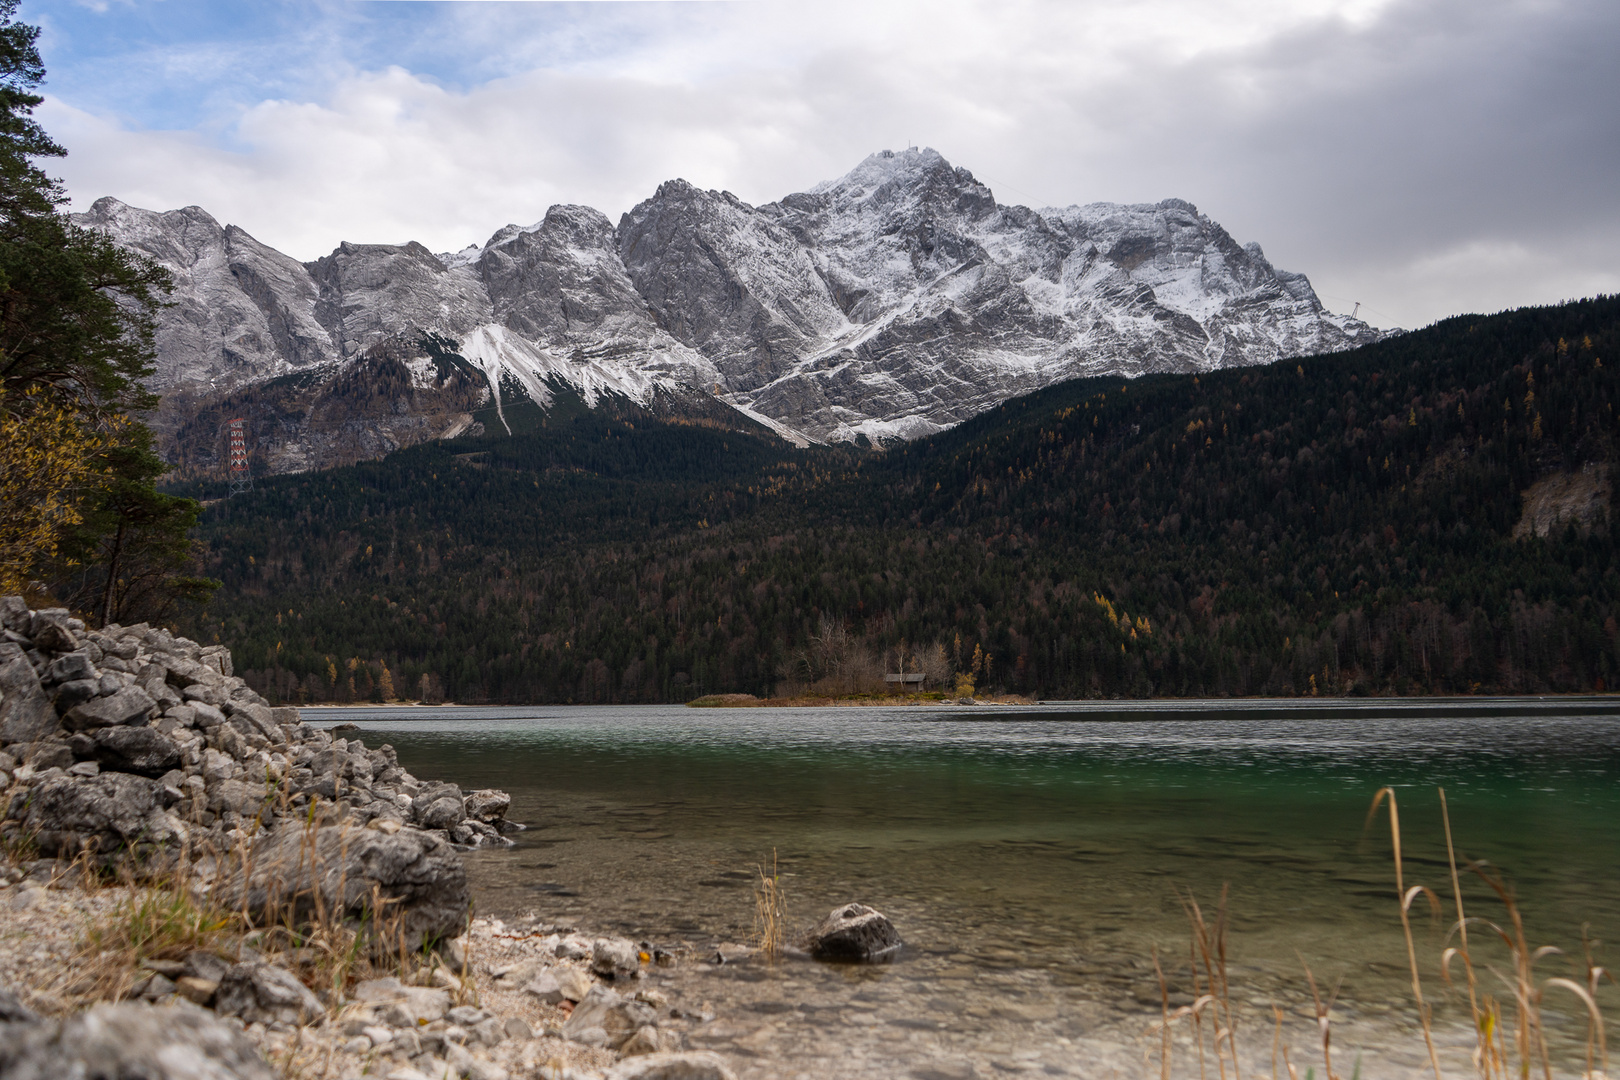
x=1423 y=157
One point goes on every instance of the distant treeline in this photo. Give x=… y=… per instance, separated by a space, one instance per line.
x=1337 y=524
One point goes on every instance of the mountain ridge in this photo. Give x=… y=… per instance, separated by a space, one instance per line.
x=1411 y=517
x=890 y=303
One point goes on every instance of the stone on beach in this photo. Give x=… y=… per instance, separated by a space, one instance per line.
x=143 y=751
x=266 y=994
x=575 y=984
x=616 y=1017
x=546 y=987
x=130 y=1040
x=12 y=1010
x=614 y=958
x=404 y=1006
x=418 y=877
x=26 y=714
x=439 y=806
x=109 y=814
x=124 y=707
x=193 y=989
x=487 y=805
x=853 y=932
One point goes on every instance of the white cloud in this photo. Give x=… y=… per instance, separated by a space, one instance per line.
x=1492 y=274
x=1361 y=141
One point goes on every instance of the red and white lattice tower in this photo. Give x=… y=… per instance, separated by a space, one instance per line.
x=241 y=475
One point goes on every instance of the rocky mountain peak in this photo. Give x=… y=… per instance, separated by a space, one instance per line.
x=888 y=170
x=893 y=301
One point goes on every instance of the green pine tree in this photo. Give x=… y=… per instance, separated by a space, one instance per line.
x=78 y=318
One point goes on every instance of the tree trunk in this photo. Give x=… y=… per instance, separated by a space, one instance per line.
x=112 y=576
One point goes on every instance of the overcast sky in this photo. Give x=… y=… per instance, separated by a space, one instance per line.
x=1425 y=157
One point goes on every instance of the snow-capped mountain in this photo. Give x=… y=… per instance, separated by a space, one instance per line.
x=895 y=301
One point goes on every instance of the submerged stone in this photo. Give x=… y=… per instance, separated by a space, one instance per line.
x=853 y=932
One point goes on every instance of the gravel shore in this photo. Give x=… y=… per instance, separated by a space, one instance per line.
x=508 y=1015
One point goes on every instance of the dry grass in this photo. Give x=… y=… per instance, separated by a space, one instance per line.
x=770 y=915
x=1524 y=987
x=1406 y=897
x=161 y=917
x=1213 y=1022
x=724 y=701
x=171 y=912
x=1496 y=1054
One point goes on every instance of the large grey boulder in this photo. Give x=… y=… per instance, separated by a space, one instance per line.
x=26 y=714
x=141 y=750
x=266 y=994
x=127 y=706
x=439 y=806
x=852 y=932
x=488 y=805
x=53 y=752
x=239 y=797
x=109 y=814
x=75 y=692
x=418 y=878
x=53 y=631
x=131 y=1041
x=70 y=666
x=257 y=720
x=14 y=614
x=183 y=673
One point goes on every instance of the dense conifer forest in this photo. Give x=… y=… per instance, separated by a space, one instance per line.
x=1429 y=514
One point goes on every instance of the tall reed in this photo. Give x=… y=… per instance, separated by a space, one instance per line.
x=1491 y=1055
x=1406 y=896
x=770 y=917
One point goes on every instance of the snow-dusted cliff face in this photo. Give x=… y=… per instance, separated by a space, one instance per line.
x=958 y=302
x=242 y=311
x=895 y=301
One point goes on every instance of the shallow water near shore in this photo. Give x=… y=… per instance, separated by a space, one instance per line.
x=1035 y=857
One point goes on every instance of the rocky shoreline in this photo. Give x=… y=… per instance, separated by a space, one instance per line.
x=198 y=885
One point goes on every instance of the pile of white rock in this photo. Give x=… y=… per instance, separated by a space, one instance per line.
x=129 y=745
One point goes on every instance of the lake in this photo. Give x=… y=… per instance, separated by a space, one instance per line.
x=1034 y=858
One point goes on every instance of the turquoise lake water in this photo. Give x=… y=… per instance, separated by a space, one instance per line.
x=1034 y=858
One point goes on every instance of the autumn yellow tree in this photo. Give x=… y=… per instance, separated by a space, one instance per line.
x=47 y=459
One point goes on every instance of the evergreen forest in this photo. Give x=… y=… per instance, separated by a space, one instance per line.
x=1426 y=515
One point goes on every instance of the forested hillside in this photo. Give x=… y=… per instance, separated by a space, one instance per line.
x=1429 y=514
